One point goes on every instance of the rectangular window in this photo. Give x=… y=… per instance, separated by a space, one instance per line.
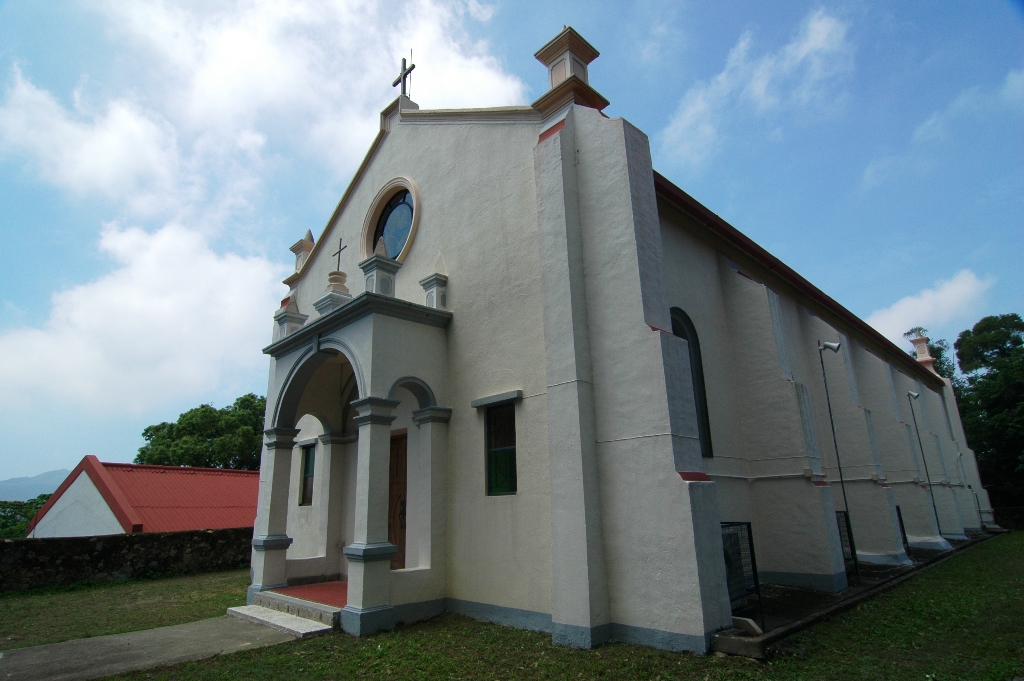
x=308 y=464
x=501 y=449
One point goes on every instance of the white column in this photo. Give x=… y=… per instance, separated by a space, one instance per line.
x=369 y=556
x=270 y=539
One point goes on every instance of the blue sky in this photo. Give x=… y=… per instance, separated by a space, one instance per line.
x=156 y=161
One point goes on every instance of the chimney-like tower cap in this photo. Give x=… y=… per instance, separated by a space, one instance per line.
x=567 y=56
x=567 y=41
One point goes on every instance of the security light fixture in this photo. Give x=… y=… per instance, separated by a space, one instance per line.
x=834 y=347
x=911 y=396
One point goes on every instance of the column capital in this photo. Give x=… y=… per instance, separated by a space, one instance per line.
x=370 y=553
x=432 y=415
x=283 y=438
x=331 y=439
x=375 y=410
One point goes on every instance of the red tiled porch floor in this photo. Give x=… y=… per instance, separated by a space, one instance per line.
x=326 y=593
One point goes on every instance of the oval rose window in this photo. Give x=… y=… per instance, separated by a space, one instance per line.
x=394 y=224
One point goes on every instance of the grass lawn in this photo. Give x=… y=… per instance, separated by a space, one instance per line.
x=963 y=619
x=40 y=616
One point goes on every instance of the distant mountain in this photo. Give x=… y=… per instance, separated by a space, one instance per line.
x=23 y=489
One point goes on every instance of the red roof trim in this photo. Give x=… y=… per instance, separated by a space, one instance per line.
x=680 y=199
x=111 y=494
x=551 y=131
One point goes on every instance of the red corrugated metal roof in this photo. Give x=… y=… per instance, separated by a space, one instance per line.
x=169 y=498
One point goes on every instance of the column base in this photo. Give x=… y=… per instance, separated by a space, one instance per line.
x=254 y=589
x=369 y=621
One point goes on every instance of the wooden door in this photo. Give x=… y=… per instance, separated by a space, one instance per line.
x=399 y=474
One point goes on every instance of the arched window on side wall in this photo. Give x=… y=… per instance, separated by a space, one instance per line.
x=683 y=327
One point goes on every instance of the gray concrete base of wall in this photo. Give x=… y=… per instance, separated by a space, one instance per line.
x=884 y=558
x=806 y=580
x=373 y=620
x=577 y=636
x=735 y=642
x=929 y=543
x=368 y=621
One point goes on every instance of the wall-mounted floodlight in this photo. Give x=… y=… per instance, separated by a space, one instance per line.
x=834 y=347
x=911 y=396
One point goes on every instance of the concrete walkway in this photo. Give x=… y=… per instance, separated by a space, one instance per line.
x=90 y=658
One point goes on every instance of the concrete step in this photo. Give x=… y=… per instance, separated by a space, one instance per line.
x=318 y=612
x=298 y=627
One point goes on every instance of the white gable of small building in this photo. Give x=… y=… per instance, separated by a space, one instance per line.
x=80 y=512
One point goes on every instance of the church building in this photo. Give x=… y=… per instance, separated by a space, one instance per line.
x=524 y=377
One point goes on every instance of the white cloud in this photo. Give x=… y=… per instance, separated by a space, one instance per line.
x=976 y=103
x=889 y=168
x=173 y=319
x=947 y=301
x=125 y=152
x=220 y=85
x=225 y=94
x=313 y=73
x=479 y=11
x=801 y=75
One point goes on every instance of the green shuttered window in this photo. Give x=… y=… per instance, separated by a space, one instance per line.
x=501 y=449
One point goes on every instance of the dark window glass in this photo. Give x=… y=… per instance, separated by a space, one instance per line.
x=683 y=327
x=394 y=224
x=308 y=464
x=501 y=449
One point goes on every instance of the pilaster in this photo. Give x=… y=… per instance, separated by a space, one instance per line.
x=432 y=423
x=579 y=583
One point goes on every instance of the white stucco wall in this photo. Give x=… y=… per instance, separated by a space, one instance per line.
x=80 y=512
x=652 y=546
x=477 y=225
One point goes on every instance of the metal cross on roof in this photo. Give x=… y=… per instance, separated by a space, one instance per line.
x=403 y=75
x=338 y=253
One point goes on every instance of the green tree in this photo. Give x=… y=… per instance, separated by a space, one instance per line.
x=231 y=437
x=15 y=515
x=991 y=355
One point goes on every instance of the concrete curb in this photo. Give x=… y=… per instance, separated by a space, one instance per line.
x=730 y=641
x=318 y=612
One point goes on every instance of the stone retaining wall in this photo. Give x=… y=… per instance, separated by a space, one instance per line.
x=32 y=563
